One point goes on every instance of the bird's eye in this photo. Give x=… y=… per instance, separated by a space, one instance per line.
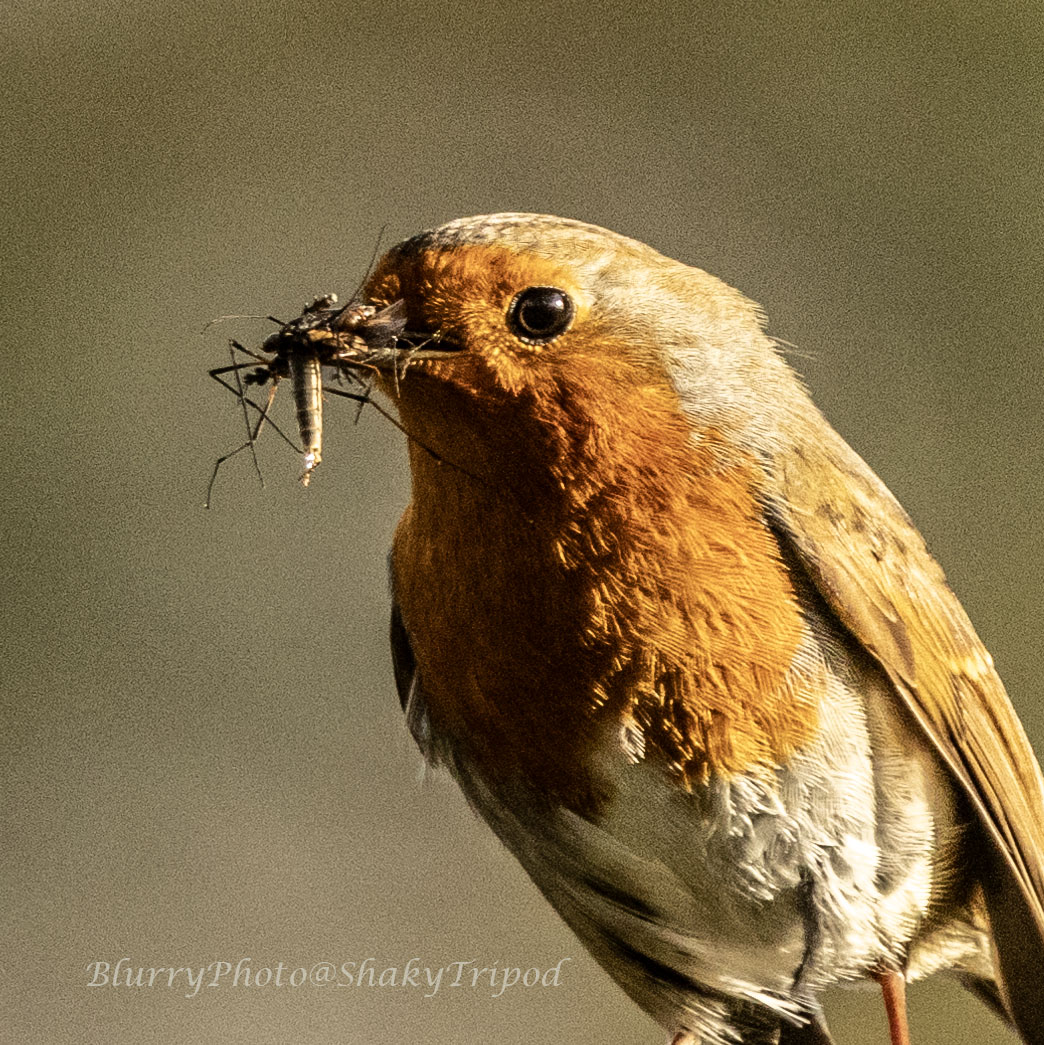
x=540 y=314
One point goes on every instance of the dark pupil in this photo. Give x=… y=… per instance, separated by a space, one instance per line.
x=542 y=312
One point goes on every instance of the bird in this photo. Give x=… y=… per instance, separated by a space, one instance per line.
x=685 y=653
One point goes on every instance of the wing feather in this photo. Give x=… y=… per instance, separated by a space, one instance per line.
x=872 y=567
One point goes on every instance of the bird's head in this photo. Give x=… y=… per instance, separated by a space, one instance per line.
x=546 y=347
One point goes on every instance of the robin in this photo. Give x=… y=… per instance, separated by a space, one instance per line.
x=685 y=652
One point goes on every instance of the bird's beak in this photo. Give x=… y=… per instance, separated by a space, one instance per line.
x=383 y=338
x=413 y=345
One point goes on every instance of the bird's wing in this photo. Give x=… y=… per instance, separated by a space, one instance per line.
x=871 y=565
x=404 y=664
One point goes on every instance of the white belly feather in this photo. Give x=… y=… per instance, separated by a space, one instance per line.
x=760 y=889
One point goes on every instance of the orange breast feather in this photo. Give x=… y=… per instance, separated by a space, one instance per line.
x=592 y=566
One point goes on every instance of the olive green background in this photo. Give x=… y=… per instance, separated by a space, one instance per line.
x=203 y=754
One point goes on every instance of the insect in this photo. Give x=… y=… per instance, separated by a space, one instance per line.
x=347 y=339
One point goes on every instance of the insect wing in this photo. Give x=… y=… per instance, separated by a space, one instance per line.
x=382 y=330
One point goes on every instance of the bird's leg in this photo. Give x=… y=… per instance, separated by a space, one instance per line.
x=684 y=1038
x=893 y=987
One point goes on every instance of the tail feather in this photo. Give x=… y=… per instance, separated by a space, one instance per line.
x=1019 y=951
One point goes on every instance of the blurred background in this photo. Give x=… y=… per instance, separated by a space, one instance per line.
x=203 y=757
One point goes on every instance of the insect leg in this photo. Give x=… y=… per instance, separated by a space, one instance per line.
x=251 y=439
x=240 y=391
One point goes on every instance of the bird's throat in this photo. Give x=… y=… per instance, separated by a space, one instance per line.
x=559 y=592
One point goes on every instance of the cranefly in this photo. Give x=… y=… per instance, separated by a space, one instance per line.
x=345 y=339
